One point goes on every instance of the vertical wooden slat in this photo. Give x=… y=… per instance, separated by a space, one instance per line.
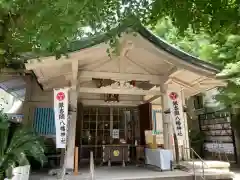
x=53 y=129
x=42 y=117
x=43 y=122
x=76 y=162
x=34 y=120
x=49 y=121
x=46 y=121
x=78 y=125
x=38 y=120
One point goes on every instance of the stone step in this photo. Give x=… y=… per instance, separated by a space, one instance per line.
x=171 y=178
x=207 y=164
x=216 y=171
x=212 y=169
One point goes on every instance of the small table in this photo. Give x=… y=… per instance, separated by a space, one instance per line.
x=161 y=158
x=116 y=153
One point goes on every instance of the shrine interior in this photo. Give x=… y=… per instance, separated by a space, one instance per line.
x=113 y=124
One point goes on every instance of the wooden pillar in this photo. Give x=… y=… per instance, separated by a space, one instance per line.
x=167 y=124
x=183 y=143
x=186 y=141
x=71 y=130
x=111 y=124
x=73 y=99
x=76 y=162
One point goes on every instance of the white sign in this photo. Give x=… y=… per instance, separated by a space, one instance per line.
x=61 y=116
x=115 y=134
x=227 y=148
x=176 y=110
x=157 y=122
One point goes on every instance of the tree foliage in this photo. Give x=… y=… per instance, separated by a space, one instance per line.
x=49 y=26
x=221 y=49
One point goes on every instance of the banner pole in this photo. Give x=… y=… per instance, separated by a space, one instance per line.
x=61 y=113
x=64 y=165
x=65 y=152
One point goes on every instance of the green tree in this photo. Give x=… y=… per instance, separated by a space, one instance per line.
x=16 y=147
x=222 y=49
x=42 y=27
x=197 y=44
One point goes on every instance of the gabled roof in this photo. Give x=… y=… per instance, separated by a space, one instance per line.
x=145 y=33
x=148 y=35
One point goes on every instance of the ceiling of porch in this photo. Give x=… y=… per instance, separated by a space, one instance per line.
x=139 y=70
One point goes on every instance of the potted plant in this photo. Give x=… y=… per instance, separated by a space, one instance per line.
x=16 y=145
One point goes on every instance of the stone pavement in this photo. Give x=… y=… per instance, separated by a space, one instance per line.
x=129 y=173
x=119 y=173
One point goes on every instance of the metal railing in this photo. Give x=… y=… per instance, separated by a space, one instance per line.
x=194 y=153
x=218 y=153
x=92 y=170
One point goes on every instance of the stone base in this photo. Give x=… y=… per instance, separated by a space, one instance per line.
x=58 y=172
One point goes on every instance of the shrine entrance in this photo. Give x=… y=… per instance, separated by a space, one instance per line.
x=103 y=126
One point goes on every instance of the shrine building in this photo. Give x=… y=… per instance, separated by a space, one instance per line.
x=113 y=98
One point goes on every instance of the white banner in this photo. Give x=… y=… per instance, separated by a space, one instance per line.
x=61 y=116
x=176 y=110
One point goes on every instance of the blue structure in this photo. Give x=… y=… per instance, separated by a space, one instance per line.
x=44 y=123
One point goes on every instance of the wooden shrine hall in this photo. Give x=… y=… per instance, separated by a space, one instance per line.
x=116 y=100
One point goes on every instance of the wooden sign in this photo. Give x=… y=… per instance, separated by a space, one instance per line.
x=111 y=98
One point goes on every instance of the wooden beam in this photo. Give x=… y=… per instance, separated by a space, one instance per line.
x=57 y=84
x=213 y=82
x=90 y=102
x=200 y=91
x=118 y=91
x=151 y=99
x=155 y=79
x=183 y=84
